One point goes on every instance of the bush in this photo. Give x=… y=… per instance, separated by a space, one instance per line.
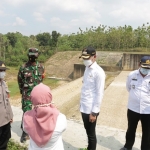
x=12 y=145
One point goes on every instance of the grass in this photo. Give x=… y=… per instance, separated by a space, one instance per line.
x=52 y=83
x=13 y=145
x=14 y=89
x=11 y=79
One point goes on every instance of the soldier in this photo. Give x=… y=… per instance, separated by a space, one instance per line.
x=30 y=74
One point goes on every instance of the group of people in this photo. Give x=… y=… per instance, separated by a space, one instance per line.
x=42 y=122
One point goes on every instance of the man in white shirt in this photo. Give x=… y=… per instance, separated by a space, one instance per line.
x=91 y=94
x=138 y=86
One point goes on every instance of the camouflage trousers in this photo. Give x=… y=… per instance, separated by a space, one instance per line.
x=26 y=105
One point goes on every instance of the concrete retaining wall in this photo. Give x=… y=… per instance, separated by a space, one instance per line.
x=79 y=69
x=131 y=61
x=128 y=62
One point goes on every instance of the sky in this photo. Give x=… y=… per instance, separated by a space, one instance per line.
x=31 y=17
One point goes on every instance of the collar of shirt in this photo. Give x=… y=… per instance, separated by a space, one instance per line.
x=93 y=65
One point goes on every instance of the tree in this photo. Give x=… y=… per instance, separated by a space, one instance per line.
x=12 y=38
x=55 y=36
x=44 y=39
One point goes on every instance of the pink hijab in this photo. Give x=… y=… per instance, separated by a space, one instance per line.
x=40 y=122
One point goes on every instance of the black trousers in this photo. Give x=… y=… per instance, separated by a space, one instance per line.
x=90 y=131
x=5 y=135
x=133 y=119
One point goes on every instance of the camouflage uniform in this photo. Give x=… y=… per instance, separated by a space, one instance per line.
x=28 y=77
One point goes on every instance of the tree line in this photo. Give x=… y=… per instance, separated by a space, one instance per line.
x=14 y=46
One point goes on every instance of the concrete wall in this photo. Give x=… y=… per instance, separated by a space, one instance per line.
x=79 y=69
x=128 y=62
x=131 y=61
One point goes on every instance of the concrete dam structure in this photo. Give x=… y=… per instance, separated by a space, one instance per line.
x=131 y=61
x=113 y=62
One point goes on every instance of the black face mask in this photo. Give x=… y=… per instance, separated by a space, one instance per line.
x=32 y=59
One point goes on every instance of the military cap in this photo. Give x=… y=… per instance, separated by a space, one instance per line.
x=32 y=51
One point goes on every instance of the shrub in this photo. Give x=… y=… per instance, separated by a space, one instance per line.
x=13 y=145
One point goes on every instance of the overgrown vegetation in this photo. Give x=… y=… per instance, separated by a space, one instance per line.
x=13 y=145
x=14 y=46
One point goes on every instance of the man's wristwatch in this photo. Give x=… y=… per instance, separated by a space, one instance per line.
x=94 y=114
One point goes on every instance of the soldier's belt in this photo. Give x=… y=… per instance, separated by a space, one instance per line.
x=28 y=85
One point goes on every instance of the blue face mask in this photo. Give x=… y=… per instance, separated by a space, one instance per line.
x=144 y=71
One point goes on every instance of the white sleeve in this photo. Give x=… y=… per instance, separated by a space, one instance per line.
x=128 y=83
x=61 y=124
x=99 y=85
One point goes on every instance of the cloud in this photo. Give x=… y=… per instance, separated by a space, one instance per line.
x=2 y=13
x=131 y=11
x=68 y=15
x=39 y=17
x=19 y=22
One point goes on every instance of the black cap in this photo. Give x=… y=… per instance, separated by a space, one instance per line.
x=145 y=62
x=33 y=51
x=2 y=66
x=88 y=52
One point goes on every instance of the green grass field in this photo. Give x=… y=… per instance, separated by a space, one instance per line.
x=14 y=88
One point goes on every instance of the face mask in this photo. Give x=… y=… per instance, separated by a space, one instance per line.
x=2 y=75
x=144 y=71
x=87 y=62
x=32 y=58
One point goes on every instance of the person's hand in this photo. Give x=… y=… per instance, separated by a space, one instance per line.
x=11 y=121
x=92 y=118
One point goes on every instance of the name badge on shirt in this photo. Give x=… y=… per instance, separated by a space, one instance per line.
x=134 y=79
x=133 y=86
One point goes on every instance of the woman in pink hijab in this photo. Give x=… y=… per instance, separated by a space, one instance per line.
x=44 y=123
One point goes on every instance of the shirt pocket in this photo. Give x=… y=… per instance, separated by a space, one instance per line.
x=134 y=84
x=27 y=73
x=91 y=81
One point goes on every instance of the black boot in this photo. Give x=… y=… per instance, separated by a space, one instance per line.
x=24 y=137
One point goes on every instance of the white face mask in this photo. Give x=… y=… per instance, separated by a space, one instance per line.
x=2 y=74
x=144 y=71
x=87 y=62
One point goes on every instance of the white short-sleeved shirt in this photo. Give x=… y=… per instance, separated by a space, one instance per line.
x=92 y=89
x=55 y=143
x=139 y=92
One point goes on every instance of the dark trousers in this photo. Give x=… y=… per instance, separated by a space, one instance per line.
x=90 y=131
x=133 y=119
x=5 y=135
